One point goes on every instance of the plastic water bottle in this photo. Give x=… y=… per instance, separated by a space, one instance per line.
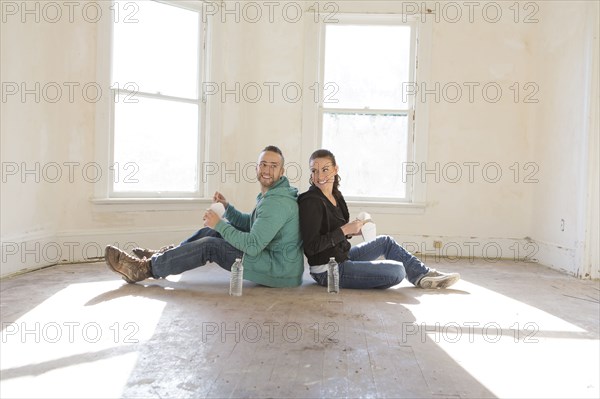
x=333 y=277
x=237 y=278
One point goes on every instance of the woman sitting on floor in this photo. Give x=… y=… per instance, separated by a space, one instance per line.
x=325 y=227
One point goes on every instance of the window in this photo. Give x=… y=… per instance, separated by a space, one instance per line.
x=157 y=116
x=365 y=116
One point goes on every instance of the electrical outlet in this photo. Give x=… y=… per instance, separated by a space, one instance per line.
x=437 y=244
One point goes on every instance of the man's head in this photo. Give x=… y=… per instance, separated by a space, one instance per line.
x=270 y=166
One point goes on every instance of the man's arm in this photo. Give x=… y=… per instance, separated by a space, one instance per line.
x=239 y=220
x=269 y=220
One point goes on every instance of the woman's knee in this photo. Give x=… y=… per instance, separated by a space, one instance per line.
x=389 y=243
x=388 y=240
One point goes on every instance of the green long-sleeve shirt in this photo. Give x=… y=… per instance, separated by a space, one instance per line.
x=269 y=237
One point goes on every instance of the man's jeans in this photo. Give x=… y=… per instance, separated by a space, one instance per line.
x=361 y=270
x=205 y=246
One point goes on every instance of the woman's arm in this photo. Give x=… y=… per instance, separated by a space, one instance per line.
x=352 y=228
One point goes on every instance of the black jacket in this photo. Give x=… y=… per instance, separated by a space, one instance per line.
x=320 y=226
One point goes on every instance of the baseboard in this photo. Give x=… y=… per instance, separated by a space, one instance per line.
x=559 y=258
x=38 y=250
x=490 y=249
x=23 y=252
x=27 y=252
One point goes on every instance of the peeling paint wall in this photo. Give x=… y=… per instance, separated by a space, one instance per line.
x=560 y=130
x=550 y=53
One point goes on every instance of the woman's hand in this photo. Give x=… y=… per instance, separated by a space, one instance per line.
x=211 y=219
x=218 y=197
x=352 y=228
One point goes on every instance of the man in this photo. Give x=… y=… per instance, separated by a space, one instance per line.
x=268 y=239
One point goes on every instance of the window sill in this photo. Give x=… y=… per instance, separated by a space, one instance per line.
x=150 y=204
x=402 y=208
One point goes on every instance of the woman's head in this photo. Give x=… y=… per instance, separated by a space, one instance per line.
x=324 y=171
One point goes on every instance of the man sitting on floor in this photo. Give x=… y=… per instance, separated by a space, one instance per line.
x=268 y=239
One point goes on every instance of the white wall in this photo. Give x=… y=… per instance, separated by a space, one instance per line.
x=551 y=133
x=562 y=128
x=33 y=135
x=258 y=53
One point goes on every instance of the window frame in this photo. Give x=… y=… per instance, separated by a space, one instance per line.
x=417 y=112
x=104 y=192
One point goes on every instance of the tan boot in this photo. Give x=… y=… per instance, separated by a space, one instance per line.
x=132 y=269
x=147 y=253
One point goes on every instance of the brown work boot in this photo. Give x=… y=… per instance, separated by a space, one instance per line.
x=147 y=253
x=131 y=268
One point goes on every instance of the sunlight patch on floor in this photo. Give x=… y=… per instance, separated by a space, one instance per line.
x=76 y=340
x=490 y=337
x=483 y=307
x=104 y=378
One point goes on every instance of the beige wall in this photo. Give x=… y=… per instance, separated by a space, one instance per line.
x=553 y=54
x=561 y=129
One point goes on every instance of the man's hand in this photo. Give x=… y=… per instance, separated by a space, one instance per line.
x=218 y=197
x=352 y=228
x=211 y=219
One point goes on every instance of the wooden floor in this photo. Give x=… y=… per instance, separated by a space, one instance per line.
x=505 y=330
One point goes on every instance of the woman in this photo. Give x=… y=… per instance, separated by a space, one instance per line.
x=325 y=226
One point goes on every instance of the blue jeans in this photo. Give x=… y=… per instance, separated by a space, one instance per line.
x=206 y=245
x=361 y=270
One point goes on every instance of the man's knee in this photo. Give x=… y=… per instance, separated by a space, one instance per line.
x=209 y=240
x=208 y=232
x=400 y=273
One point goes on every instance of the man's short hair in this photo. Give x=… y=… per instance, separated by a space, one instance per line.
x=275 y=149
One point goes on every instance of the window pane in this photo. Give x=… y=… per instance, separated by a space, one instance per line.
x=159 y=53
x=370 y=151
x=158 y=140
x=368 y=63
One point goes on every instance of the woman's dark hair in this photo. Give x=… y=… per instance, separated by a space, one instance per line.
x=323 y=153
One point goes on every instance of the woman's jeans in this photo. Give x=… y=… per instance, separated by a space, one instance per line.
x=205 y=246
x=362 y=270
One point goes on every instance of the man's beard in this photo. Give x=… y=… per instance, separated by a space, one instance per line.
x=266 y=183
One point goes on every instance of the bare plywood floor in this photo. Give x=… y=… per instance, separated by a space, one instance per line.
x=506 y=330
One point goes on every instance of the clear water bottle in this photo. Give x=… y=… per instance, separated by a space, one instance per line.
x=237 y=278
x=333 y=277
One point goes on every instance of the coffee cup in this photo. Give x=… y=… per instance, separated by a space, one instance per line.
x=368 y=230
x=364 y=216
x=217 y=208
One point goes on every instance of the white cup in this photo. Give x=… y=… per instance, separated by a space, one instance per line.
x=217 y=208
x=363 y=216
x=369 y=231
